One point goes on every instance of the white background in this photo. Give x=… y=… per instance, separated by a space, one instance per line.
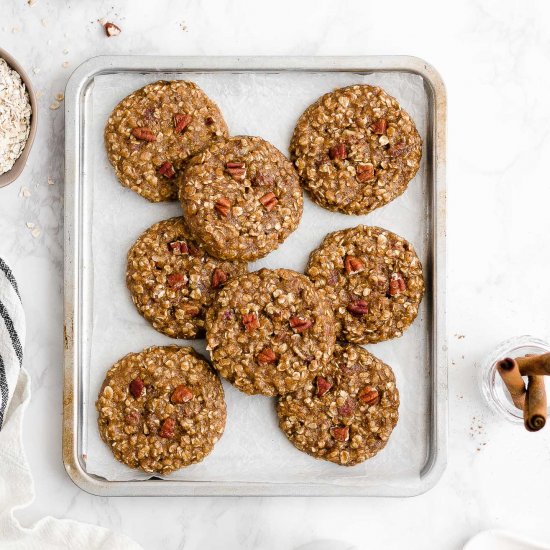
x=494 y=57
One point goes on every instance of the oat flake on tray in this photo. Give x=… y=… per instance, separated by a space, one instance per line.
x=15 y=116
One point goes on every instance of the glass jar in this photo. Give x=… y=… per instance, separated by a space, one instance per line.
x=493 y=387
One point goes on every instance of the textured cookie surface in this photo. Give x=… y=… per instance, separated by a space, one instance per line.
x=269 y=332
x=241 y=197
x=373 y=279
x=355 y=149
x=347 y=413
x=172 y=279
x=161 y=409
x=152 y=132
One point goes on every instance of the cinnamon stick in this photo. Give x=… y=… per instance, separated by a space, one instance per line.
x=509 y=372
x=534 y=413
x=532 y=365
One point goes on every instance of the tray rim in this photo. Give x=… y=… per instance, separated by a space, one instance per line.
x=76 y=86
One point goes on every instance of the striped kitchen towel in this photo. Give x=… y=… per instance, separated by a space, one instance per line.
x=16 y=483
x=12 y=337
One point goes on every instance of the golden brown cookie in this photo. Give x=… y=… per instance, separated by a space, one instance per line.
x=152 y=132
x=355 y=149
x=161 y=409
x=347 y=413
x=241 y=198
x=373 y=280
x=173 y=280
x=269 y=332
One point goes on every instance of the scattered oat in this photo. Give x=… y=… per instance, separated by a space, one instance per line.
x=36 y=70
x=44 y=22
x=30 y=225
x=183 y=26
x=50 y=181
x=15 y=29
x=65 y=64
x=54 y=106
x=39 y=94
x=25 y=192
x=36 y=232
x=15 y=116
x=460 y=336
x=31 y=2
x=60 y=96
x=65 y=51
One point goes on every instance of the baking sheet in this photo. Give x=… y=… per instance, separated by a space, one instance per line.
x=252 y=448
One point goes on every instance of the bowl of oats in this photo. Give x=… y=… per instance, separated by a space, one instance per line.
x=18 y=118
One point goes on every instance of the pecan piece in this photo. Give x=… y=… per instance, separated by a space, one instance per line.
x=339 y=151
x=267 y=355
x=237 y=170
x=353 y=265
x=379 y=126
x=209 y=121
x=181 y=121
x=269 y=200
x=178 y=248
x=190 y=310
x=368 y=395
x=364 y=172
x=340 y=433
x=145 y=134
x=251 y=322
x=323 y=385
x=181 y=394
x=358 y=307
x=167 y=170
x=347 y=408
x=132 y=418
x=397 y=284
x=176 y=280
x=398 y=150
x=223 y=206
x=262 y=179
x=219 y=277
x=136 y=387
x=299 y=324
x=111 y=29
x=194 y=250
x=332 y=279
x=167 y=428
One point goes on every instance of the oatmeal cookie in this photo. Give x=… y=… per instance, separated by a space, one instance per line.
x=355 y=149
x=161 y=409
x=172 y=280
x=241 y=198
x=269 y=332
x=347 y=413
x=373 y=279
x=152 y=132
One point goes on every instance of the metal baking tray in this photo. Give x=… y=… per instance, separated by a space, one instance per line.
x=79 y=286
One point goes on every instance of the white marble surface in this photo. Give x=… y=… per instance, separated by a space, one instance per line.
x=494 y=57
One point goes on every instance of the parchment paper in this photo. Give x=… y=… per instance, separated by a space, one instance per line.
x=252 y=448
